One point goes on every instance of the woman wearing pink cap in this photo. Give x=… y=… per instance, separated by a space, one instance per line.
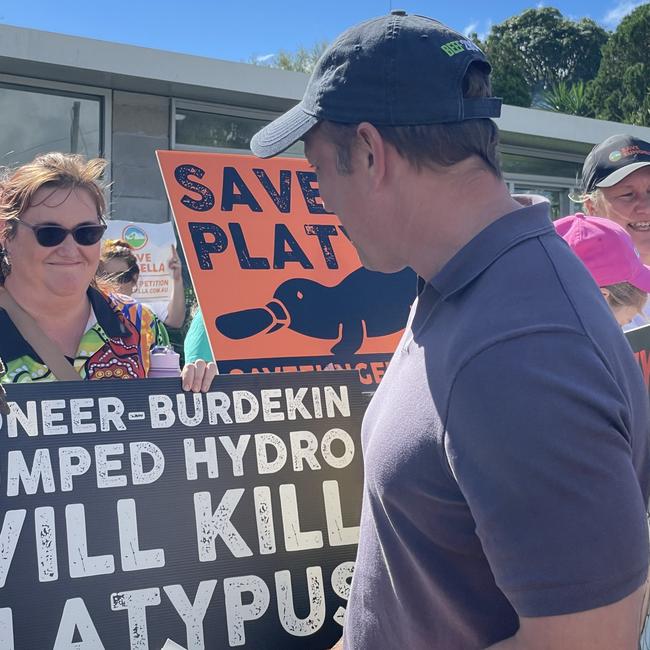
x=616 y=186
x=609 y=254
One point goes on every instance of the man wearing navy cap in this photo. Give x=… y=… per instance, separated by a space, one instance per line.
x=506 y=449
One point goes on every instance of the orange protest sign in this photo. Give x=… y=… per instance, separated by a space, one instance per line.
x=279 y=283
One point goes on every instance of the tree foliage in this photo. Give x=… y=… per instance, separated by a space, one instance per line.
x=302 y=60
x=621 y=90
x=508 y=79
x=543 y=48
x=543 y=59
x=567 y=98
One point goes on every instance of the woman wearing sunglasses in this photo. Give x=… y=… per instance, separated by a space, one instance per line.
x=51 y=223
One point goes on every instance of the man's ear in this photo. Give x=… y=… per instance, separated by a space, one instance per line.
x=605 y=292
x=371 y=152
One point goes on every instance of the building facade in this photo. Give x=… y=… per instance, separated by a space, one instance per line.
x=123 y=102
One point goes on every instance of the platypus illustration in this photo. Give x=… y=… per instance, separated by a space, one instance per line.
x=364 y=302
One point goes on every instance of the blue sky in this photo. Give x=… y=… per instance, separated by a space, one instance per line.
x=238 y=30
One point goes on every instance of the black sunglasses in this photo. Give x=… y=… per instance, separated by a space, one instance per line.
x=127 y=276
x=85 y=234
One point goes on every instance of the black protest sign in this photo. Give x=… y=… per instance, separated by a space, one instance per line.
x=134 y=513
x=639 y=340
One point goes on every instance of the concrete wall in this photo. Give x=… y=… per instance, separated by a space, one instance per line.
x=140 y=126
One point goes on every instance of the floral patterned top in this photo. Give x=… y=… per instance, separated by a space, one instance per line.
x=116 y=344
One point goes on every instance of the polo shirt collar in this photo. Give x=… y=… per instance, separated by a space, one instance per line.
x=529 y=221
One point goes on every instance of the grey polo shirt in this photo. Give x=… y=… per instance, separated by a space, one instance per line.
x=506 y=452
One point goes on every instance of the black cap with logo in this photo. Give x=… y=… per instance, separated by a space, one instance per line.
x=609 y=162
x=396 y=70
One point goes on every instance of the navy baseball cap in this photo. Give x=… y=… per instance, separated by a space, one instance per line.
x=397 y=70
x=611 y=161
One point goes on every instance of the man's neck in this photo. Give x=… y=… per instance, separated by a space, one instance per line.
x=445 y=211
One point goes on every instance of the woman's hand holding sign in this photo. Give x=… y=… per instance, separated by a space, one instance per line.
x=198 y=376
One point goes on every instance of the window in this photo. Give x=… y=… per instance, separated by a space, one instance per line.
x=215 y=128
x=552 y=175
x=36 y=121
x=533 y=165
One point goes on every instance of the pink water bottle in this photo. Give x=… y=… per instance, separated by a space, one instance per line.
x=164 y=362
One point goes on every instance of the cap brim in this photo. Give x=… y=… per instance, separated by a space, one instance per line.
x=641 y=279
x=620 y=174
x=284 y=131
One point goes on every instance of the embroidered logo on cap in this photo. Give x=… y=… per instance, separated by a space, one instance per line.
x=632 y=150
x=456 y=47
